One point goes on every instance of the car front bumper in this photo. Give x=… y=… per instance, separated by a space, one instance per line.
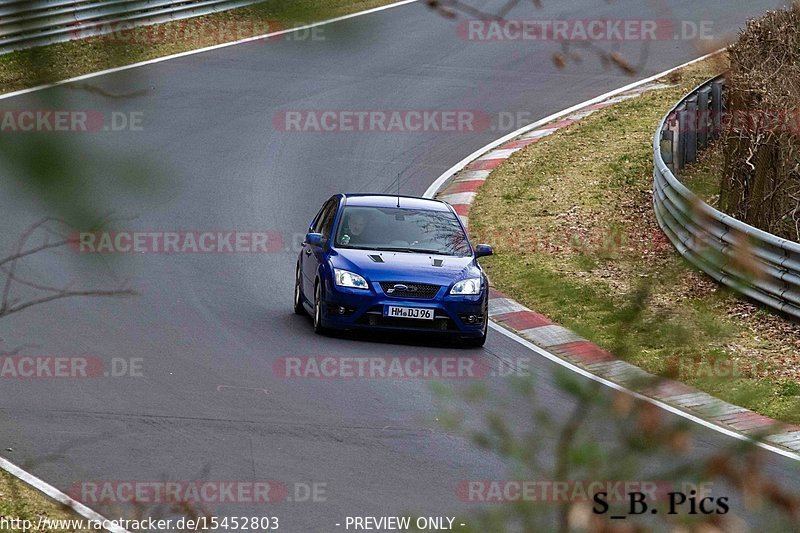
x=352 y=309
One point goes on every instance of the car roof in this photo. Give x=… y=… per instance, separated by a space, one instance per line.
x=390 y=200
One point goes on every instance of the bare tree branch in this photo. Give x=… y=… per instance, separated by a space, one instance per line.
x=66 y=294
x=50 y=226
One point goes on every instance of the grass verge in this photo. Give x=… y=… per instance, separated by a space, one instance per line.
x=46 y=64
x=19 y=502
x=576 y=239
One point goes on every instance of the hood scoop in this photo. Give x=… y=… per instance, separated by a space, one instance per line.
x=376 y=258
x=438 y=262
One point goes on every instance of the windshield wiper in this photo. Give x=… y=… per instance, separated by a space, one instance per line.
x=416 y=251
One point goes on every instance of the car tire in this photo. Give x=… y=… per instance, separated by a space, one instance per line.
x=318 y=327
x=474 y=342
x=299 y=308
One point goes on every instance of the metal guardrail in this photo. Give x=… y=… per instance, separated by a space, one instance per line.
x=755 y=263
x=30 y=23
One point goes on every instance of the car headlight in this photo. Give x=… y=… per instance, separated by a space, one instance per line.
x=345 y=278
x=467 y=286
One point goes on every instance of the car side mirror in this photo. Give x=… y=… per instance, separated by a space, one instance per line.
x=314 y=239
x=482 y=250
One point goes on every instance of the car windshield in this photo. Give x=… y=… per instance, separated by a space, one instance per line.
x=401 y=229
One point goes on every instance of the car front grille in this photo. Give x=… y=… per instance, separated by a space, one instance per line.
x=411 y=290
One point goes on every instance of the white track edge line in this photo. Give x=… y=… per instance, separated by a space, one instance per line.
x=436 y=185
x=201 y=50
x=658 y=403
x=57 y=495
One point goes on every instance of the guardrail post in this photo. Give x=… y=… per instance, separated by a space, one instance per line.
x=674 y=130
x=680 y=139
x=717 y=106
x=703 y=97
x=690 y=135
x=667 y=145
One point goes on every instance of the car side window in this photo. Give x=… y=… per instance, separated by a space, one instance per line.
x=328 y=217
x=316 y=227
x=316 y=222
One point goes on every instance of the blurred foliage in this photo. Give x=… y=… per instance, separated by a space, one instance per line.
x=607 y=437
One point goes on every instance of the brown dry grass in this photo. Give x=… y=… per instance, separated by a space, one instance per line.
x=17 y=500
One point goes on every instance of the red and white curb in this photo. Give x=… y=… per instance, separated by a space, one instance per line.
x=459 y=187
x=567 y=345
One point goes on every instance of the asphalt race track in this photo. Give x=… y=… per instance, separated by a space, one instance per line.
x=209 y=327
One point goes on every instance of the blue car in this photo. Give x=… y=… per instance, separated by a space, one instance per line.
x=384 y=262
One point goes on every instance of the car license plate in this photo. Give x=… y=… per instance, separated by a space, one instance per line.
x=392 y=311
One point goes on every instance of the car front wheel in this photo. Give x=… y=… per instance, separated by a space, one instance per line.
x=318 y=328
x=474 y=342
x=298 y=295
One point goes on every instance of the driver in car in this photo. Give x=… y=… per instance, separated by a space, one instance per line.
x=354 y=228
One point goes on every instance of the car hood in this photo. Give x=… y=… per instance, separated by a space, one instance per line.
x=404 y=266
